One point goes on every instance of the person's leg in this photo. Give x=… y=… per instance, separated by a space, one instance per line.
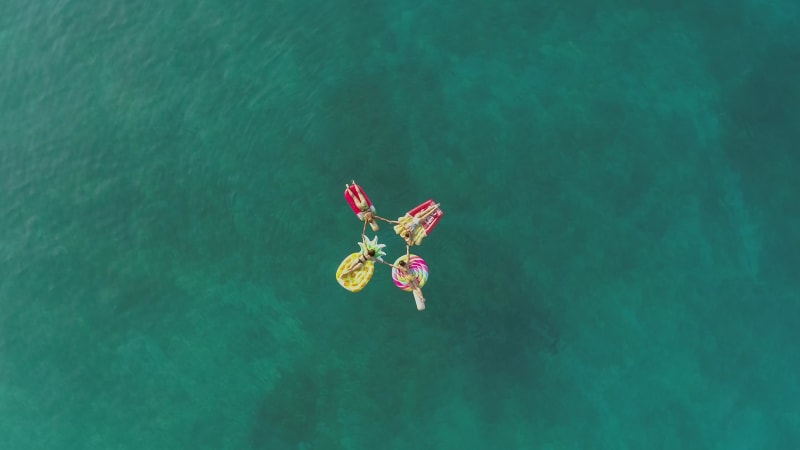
x=360 y=198
x=357 y=265
x=427 y=212
x=357 y=195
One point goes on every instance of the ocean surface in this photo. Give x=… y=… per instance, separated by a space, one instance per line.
x=617 y=267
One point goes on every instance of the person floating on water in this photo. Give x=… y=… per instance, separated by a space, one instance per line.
x=356 y=269
x=370 y=251
x=411 y=277
x=409 y=272
x=418 y=223
x=361 y=205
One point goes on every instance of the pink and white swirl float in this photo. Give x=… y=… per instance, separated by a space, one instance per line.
x=419 y=272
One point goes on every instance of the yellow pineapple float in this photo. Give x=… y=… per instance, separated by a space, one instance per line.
x=357 y=269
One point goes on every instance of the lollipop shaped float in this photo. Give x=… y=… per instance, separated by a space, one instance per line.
x=410 y=274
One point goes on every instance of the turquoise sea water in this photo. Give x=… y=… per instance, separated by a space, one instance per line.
x=616 y=269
